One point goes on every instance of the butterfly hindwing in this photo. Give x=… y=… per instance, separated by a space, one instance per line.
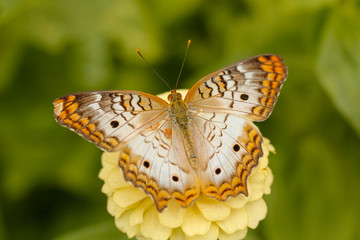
x=233 y=147
x=249 y=88
x=155 y=161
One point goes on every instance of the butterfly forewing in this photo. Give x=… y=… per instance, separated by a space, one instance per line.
x=249 y=88
x=109 y=118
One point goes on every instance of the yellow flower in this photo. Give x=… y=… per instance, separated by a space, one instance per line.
x=136 y=215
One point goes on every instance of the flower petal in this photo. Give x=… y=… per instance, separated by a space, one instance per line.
x=114 y=209
x=268 y=181
x=110 y=158
x=212 y=209
x=267 y=148
x=137 y=214
x=124 y=197
x=106 y=189
x=238 y=220
x=264 y=160
x=122 y=223
x=165 y=95
x=173 y=216
x=116 y=180
x=257 y=177
x=257 y=182
x=195 y=222
x=212 y=234
x=241 y=234
x=256 y=211
x=111 y=206
x=237 y=202
x=111 y=173
x=151 y=227
x=177 y=234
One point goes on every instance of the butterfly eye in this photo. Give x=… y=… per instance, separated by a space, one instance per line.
x=217 y=171
x=175 y=178
x=146 y=164
x=244 y=97
x=114 y=124
x=236 y=147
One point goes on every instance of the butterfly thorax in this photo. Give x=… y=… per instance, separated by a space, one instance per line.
x=178 y=108
x=180 y=118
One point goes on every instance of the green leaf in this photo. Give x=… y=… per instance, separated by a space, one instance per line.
x=338 y=65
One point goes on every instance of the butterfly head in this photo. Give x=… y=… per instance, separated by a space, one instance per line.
x=174 y=96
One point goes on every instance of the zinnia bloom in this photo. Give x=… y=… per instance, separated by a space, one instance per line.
x=207 y=218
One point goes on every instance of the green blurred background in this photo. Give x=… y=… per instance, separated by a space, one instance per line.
x=49 y=184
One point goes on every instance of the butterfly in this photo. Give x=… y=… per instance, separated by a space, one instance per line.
x=205 y=143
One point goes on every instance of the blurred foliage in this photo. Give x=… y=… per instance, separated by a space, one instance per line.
x=49 y=185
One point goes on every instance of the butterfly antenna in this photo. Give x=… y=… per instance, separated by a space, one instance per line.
x=182 y=65
x=153 y=69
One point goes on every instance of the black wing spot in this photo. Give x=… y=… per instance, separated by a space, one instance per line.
x=236 y=147
x=175 y=178
x=114 y=124
x=217 y=171
x=244 y=97
x=146 y=164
